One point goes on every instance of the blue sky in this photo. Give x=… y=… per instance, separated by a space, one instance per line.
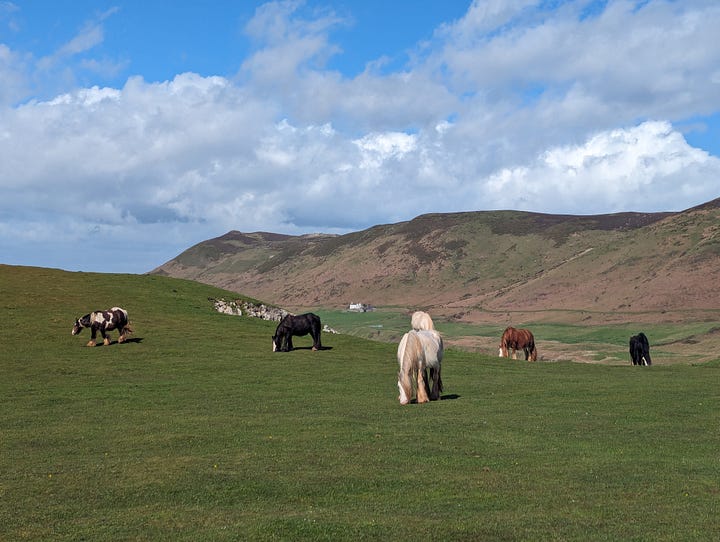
x=131 y=130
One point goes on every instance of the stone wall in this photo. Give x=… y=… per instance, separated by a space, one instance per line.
x=247 y=308
x=254 y=310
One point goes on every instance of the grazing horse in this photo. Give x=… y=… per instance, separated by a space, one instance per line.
x=421 y=320
x=418 y=351
x=299 y=326
x=104 y=321
x=640 y=350
x=518 y=339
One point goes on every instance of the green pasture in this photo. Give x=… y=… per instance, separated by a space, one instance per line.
x=195 y=430
x=609 y=342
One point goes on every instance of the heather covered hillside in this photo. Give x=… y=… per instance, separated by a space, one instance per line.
x=469 y=265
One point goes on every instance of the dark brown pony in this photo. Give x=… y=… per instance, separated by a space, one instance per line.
x=518 y=339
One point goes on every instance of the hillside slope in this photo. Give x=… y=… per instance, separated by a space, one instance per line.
x=467 y=263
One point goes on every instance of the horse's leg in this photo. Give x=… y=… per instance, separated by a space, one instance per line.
x=435 y=377
x=106 y=339
x=93 y=334
x=404 y=386
x=316 y=341
x=289 y=343
x=422 y=387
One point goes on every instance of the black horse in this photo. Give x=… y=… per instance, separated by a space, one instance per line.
x=640 y=350
x=296 y=325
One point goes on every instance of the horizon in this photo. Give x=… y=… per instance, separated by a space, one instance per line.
x=131 y=131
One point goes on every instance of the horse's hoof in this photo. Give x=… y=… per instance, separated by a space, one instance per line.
x=106 y=342
x=314 y=349
x=91 y=343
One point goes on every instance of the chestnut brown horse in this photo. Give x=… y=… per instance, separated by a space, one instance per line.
x=518 y=339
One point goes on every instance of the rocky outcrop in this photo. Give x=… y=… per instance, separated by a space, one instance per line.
x=254 y=310
x=248 y=308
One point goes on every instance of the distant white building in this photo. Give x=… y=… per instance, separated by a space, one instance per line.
x=360 y=307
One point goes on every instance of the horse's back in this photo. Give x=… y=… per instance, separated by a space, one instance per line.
x=517 y=336
x=527 y=337
x=432 y=344
x=302 y=323
x=121 y=315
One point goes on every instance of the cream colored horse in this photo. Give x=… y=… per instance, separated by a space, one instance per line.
x=418 y=351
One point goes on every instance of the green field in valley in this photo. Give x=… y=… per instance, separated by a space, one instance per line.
x=196 y=430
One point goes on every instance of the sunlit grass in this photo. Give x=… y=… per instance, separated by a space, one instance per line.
x=197 y=431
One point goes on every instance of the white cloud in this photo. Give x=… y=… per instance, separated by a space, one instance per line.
x=377 y=148
x=513 y=107
x=640 y=58
x=632 y=169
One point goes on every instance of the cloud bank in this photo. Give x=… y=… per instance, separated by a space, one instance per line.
x=514 y=106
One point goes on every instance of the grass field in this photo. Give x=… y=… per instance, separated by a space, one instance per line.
x=195 y=430
x=559 y=337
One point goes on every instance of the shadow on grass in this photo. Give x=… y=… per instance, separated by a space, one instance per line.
x=137 y=340
x=309 y=348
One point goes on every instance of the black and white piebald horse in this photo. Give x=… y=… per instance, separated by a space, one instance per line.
x=640 y=350
x=104 y=321
x=299 y=326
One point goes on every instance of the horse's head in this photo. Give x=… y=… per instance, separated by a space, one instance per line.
x=402 y=385
x=81 y=323
x=77 y=328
